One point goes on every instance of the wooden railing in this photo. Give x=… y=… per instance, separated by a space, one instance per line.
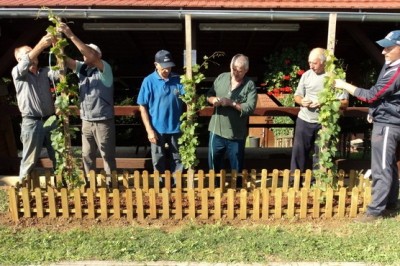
x=133 y=110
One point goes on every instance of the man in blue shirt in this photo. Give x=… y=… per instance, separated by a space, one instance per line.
x=161 y=108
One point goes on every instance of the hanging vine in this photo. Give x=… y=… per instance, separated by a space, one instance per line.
x=329 y=115
x=66 y=94
x=189 y=140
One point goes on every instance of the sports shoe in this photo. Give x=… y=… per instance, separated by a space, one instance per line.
x=366 y=218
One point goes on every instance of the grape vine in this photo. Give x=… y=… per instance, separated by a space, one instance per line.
x=329 y=115
x=189 y=140
x=67 y=169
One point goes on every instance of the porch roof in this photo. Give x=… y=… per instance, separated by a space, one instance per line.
x=206 y=4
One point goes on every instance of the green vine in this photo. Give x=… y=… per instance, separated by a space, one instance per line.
x=328 y=118
x=66 y=94
x=189 y=140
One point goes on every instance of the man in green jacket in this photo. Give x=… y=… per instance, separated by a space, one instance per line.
x=234 y=98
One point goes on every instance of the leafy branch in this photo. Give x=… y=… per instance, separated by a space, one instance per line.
x=67 y=164
x=194 y=103
x=328 y=118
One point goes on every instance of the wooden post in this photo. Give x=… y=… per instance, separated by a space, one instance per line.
x=332 y=32
x=188 y=40
x=188 y=65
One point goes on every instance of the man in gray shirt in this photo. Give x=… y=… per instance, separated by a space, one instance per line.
x=96 y=94
x=35 y=102
x=306 y=96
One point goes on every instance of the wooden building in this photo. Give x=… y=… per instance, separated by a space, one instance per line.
x=130 y=32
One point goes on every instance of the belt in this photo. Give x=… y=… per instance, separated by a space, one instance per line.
x=41 y=118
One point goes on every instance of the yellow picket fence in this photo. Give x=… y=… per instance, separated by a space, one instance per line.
x=139 y=195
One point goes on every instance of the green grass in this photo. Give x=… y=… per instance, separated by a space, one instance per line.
x=284 y=240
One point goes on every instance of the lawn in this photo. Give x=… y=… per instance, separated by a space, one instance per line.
x=44 y=241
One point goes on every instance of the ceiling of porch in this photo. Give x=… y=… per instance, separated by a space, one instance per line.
x=131 y=53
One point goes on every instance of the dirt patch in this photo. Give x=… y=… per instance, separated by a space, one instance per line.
x=65 y=224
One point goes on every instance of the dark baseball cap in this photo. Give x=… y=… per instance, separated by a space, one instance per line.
x=164 y=58
x=393 y=38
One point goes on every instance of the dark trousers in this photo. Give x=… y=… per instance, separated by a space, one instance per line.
x=219 y=146
x=304 y=142
x=159 y=153
x=385 y=178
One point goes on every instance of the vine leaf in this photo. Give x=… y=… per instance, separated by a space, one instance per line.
x=329 y=115
x=189 y=140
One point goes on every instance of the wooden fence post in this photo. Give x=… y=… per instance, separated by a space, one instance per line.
x=178 y=204
x=165 y=204
x=204 y=204
x=52 y=202
x=78 y=203
x=13 y=203
x=116 y=203
x=39 y=203
x=217 y=204
x=26 y=202
x=129 y=204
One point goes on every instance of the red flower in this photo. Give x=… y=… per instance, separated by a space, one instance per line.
x=300 y=72
x=52 y=90
x=286 y=77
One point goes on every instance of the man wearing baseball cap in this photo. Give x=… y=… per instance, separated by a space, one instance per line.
x=384 y=109
x=161 y=108
x=96 y=104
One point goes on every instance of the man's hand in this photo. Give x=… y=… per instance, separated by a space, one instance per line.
x=314 y=104
x=66 y=30
x=46 y=41
x=152 y=136
x=216 y=102
x=226 y=101
x=341 y=84
x=306 y=102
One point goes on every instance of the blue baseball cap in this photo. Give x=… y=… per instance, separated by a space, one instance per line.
x=164 y=58
x=393 y=38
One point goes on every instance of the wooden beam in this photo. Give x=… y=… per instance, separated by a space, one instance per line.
x=188 y=38
x=133 y=110
x=332 y=33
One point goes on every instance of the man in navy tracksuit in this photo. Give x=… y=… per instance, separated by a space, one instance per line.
x=384 y=100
